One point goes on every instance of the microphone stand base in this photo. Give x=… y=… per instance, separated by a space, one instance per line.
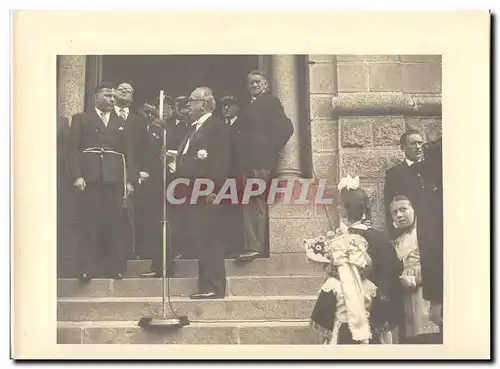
x=164 y=323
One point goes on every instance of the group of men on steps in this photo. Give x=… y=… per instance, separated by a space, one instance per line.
x=114 y=157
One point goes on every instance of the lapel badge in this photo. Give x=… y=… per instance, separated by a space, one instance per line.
x=202 y=154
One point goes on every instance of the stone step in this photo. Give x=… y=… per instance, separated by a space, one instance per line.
x=293 y=332
x=152 y=287
x=230 y=308
x=277 y=264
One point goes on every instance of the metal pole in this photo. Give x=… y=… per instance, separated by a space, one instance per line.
x=164 y=235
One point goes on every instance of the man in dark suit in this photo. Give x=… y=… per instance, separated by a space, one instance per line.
x=264 y=131
x=204 y=153
x=153 y=192
x=152 y=201
x=135 y=128
x=178 y=127
x=178 y=124
x=232 y=232
x=411 y=178
x=101 y=163
x=415 y=178
x=147 y=111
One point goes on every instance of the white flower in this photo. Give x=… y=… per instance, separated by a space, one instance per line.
x=330 y=234
x=349 y=183
x=202 y=154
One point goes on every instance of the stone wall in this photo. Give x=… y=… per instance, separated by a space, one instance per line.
x=71 y=85
x=361 y=104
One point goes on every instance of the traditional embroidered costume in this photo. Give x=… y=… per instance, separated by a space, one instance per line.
x=342 y=310
x=360 y=301
x=416 y=310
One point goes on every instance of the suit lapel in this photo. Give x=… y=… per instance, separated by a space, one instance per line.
x=201 y=132
x=184 y=140
x=195 y=137
x=235 y=124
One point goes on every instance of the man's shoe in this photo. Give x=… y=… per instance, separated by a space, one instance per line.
x=118 y=276
x=151 y=275
x=205 y=296
x=85 y=277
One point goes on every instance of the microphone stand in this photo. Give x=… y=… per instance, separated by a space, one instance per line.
x=175 y=321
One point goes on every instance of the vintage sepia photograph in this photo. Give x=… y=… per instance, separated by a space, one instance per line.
x=251 y=185
x=170 y=229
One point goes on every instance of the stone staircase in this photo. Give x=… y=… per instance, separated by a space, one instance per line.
x=269 y=301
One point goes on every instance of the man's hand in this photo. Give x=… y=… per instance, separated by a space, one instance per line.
x=408 y=281
x=80 y=183
x=143 y=176
x=435 y=312
x=130 y=188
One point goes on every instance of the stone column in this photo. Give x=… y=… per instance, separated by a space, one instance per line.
x=70 y=100
x=284 y=87
x=71 y=85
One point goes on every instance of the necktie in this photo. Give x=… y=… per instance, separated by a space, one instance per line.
x=122 y=114
x=104 y=118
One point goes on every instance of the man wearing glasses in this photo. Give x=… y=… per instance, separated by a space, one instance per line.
x=204 y=154
x=136 y=131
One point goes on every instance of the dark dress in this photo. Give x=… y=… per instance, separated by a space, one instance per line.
x=387 y=305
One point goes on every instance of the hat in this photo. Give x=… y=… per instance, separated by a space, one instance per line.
x=228 y=99
x=182 y=100
x=167 y=100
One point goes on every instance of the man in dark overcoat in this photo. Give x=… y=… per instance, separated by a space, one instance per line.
x=264 y=131
x=101 y=164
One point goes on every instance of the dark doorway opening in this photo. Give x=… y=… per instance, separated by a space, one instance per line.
x=178 y=75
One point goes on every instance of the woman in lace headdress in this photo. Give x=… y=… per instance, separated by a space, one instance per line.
x=418 y=325
x=360 y=305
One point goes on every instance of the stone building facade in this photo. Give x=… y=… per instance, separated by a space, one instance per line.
x=348 y=111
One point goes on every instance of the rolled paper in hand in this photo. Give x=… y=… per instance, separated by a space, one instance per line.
x=160 y=109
